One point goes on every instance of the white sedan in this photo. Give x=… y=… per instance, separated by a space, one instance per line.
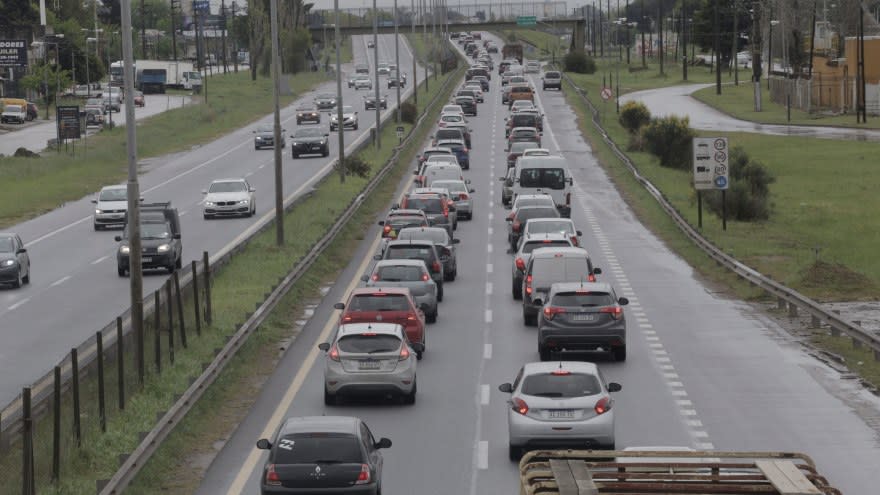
x=229 y=197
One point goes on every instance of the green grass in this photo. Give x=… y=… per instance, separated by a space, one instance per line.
x=859 y=360
x=634 y=77
x=738 y=101
x=31 y=186
x=345 y=51
x=539 y=44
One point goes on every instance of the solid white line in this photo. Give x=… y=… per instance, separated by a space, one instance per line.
x=102 y=258
x=483 y=455
x=19 y=303
x=59 y=281
x=484 y=394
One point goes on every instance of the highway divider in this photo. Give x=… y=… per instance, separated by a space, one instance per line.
x=787 y=298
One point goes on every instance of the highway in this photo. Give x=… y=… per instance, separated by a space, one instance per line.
x=75 y=290
x=703 y=370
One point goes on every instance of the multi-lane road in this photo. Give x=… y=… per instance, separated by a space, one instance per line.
x=703 y=370
x=75 y=290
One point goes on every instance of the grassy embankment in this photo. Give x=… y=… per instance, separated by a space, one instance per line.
x=31 y=186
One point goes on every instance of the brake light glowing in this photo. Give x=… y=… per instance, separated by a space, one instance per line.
x=529 y=285
x=616 y=312
x=271 y=476
x=369 y=334
x=574 y=241
x=346 y=318
x=520 y=406
x=603 y=405
x=462 y=196
x=552 y=311
x=520 y=264
x=591 y=277
x=425 y=277
x=435 y=267
x=376 y=277
x=363 y=476
x=560 y=373
x=387 y=229
x=404 y=353
x=334 y=352
x=411 y=317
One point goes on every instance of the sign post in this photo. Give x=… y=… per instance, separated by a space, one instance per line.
x=711 y=172
x=399 y=134
x=68 y=123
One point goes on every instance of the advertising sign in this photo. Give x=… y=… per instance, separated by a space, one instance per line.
x=711 y=164
x=13 y=53
x=68 y=122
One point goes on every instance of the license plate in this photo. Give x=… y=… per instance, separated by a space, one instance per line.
x=583 y=317
x=562 y=414
x=146 y=259
x=368 y=365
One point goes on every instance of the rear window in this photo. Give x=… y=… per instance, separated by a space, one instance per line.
x=399 y=273
x=448 y=134
x=306 y=448
x=531 y=246
x=380 y=302
x=521 y=146
x=520 y=90
x=368 y=344
x=426 y=205
x=406 y=252
x=552 y=75
x=586 y=300
x=524 y=121
x=561 y=386
x=524 y=214
x=451 y=186
x=524 y=133
x=547 y=271
x=437 y=236
x=553 y=178
x=549 y=228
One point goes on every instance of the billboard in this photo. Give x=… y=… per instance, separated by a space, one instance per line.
x=13 y=53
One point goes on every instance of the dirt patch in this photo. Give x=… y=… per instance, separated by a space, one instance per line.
x=834 y=281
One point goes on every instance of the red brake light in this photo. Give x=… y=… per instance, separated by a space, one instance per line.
x=550 y=312
x=529 y=285
x=591 y=277
x=411 y=317
x=516 y=226
x=574 y=241
x=511 y=215
x=375 y=277
x=346 y=318
x=369 y=334
x=616 y=312
x=271 y=476
x=364 y=475
x=520 y=264
x=404 y=353
x=462 y=196
x=435 y=267
x=603 y=405
x=560 y=373
x=387 y=229
x=520 y=406
x=334 y=351
x=425 y=277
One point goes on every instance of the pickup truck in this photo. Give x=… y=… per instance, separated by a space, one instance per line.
x=669 y=471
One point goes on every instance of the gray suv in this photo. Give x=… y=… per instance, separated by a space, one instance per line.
x=524 y=253
x=552 y=79
x=549 y=266
x=445 y=246
x=412 y=274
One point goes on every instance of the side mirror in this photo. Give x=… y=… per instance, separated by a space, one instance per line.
x=325 y=135
x=254 y=132
x=204 y=191
x=579 y=233
x=597 y=271
x=252 y=189
x=141 y=198
x=416 y=172
x=382 y=222
x=339 y=305
x=21 y=251
x=95 y=201
x=383 y=443
x=377 y=257
x=418 y=347
x=502 y=179
x=506 y=388
x=538 y=302
x=472 y=191
x=324 y=346
x=467 y=181
x=614 y=387
x=456 y=241
x=623 y=301
x=395 y=206
x=570 y=181
x=264 y=444
x=365 y=278
x=118 y=238
x=177 y=236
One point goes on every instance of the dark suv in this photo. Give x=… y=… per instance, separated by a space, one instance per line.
x=417 y=250
x=323 y=454
x=161 y=245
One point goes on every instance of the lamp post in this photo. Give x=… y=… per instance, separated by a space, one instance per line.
x=88 y=78
x=773 y=24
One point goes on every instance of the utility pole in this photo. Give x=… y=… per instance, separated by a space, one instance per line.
x=396 y=63
x=660 y=32
x=756 y=56
x=861 y=107
x=340 y=127
x=276 y=138
x=717 y=56
x=223 y=32
x=135 y=268
x=376 y=72
x=684 y=47
x=173 y=32
x=601 y=37
x=235 y=45
x=415 y=82
x=642 y=29
x=735 y=48
x=143 y=30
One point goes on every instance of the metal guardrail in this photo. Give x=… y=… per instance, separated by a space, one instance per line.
x=786 y=296
x=151 y=442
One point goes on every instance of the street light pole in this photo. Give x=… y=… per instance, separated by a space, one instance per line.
x=717 y=51
x=396 y=63
x=276 y=90
x=340 y=123
x=773 y=23
x=376 y=72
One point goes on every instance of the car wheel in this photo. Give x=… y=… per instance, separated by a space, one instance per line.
x=619 y=353
x=326 y=152
x=294 y=155
x=355 y=126
x=516 y=290
x=18 y=280
x=256 y=147
x=121 y=271
x=27 y=278
x=544 y=353
x=329 y=399
x=431 y=317
x=439 y=292
x=179 y=262
x=514 y=452
x=410 y=398
x=97 y=227
x=206 y=216
x=528 y=319
x=253 y=209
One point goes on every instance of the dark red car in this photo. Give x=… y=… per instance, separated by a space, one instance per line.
x=386 y=305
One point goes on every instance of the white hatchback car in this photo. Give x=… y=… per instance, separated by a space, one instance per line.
x=110 y=207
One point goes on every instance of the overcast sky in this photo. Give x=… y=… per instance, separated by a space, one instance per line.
x=352 y=4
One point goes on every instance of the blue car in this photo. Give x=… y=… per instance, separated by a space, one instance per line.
x=462 y=154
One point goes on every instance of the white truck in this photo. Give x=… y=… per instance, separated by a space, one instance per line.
x=181 y=75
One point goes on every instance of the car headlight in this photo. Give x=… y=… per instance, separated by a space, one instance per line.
x=98 y=212
x=124 y=249
x=244 y=202
x=7 y=263
x=295 y=143
x=163 y=248
x=209 y=203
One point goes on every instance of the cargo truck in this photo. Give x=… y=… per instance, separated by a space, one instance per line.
x=180 y=75
x=512 y=50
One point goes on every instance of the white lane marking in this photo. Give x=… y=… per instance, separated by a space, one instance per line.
x=688 y=412
x=488 y=316
x=489 y=287
x=484 y=394
x=490 y=268
x=700 y=434
x=489 y=248
x=483 y=455
x=491 y=205
x=705 y=446
x=248 y=174
x=487 y=351
x=55 y=232
x=684 y=402
x=491 y=215
x=102 y=258
x=667 y=367
x=694 y=423
x=184 y=212
x=490 y=230
x=679 y=393
x=675 y=384
x=19 y=303
x=60 y=281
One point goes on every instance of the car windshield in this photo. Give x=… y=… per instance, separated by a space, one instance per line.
x=326 y=96
x=306 y=108
x=451 y=118
x=347 y=109
x=155 y=231
x=437 y=236
x=548 y=271
x=428 y=205
x=563 y=227
x=524 y=214
x=399 y=273
x=583 y=299
x=308 y=132
x=266 y=128
x=448 y=134
x=368 y=343
x=5 y=244
x=227 y=186
x=379 y=302
x=407 y=252
x=115 y=194
x=521 y=146
x=318 y=448
x=13 y=108
x=561 y=385
x=528 y=247
x=553 y=178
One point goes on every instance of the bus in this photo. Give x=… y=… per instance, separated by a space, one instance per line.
x=116 y=73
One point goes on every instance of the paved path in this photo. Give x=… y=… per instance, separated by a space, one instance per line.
x=677 y=100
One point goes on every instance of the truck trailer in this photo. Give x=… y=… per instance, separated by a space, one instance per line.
x=149 y=74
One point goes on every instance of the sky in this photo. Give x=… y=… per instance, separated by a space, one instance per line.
x=349 y=4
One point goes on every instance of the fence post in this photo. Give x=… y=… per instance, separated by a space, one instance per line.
x=170 y=322
x=27 y=450
x=195 y=277
x=120 y=364
x=102 y=416
x=207 y=264
x=74 y=371
x=157 y=325
x=180 y=309
x=56 y=427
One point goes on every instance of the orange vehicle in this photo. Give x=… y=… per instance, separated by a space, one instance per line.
x=523 y=92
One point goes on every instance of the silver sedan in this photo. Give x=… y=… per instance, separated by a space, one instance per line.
x=461 y=195
x=412 y=274
x=559 y=404
x=372 y=359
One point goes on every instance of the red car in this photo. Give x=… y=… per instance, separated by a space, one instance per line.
x=139 y=99
x=386 y=305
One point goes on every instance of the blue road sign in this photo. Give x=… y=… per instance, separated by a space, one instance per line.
x=721 y=182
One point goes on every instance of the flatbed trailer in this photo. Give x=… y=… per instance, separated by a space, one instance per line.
x=652 y=472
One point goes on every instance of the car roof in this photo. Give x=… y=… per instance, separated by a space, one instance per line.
x=421 y=229
x=533 y=129
x=375 y=327
x=574 y=286
x=546 y=219
x=545 y=236
x=322 y=424
x=359 y=291
x=231 y=179
x=550 y=366
x=399 y=261
x=437 y=149
x=533 y=196
x=406 y=211
x=549 y=252
x=117 y=186
x=450 y=141
x=430 y=190
x=403 y=242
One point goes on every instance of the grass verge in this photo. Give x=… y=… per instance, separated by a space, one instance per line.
x=31 y=186
x=539 y=44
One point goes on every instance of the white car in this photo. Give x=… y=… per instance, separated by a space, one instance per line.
x=451 y=118
x=533 y=67
x=349 y=118
x=383 y=69
x=229 y=197
x=536 y=152
x=452 y=109
x=14 y=113
x=110 y=207
x=363 y=82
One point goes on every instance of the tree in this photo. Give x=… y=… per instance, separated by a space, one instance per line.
x=704 y=26
x=17 y=13
x=47 y=80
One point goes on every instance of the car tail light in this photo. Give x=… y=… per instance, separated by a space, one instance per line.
x=376 y=277
x=404 y=353
x=425 y=277
x=519 y=406
x=346 y=318
x=559 y=372
x=462 y=196
x=520 y=264
x=387 y=229
x=364 y=475
x=334 y=352
x=435 y=267
x=442 y=124
x=603 y=405
x=616 y=312
x=271 y=476
x=591 y=277
x=574 y=241
x=516 y=226
x=510 y=216
x=411 y=317
x=529 y=285
x=551 y=311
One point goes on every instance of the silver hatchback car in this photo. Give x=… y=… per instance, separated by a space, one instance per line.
x=559 y=404
x=370 y=358
x=461 y=195
x=412 y=274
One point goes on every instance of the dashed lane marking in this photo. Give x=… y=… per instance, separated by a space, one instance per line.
x=484 y=394
x=19 y=303
x=59 y=281
x=102 y=258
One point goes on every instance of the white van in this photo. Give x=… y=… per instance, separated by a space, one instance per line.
x=544 y=174
x=434 y=171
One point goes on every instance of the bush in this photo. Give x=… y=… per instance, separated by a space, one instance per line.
x=670 y=139
x=633 y=116
x=408 y=112
x=748 y=198
x=355 y=165
x=579 y=62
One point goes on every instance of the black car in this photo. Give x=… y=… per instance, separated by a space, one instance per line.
x=370 y=102
x=325 y=101
x=308 y=113
x=361 y=69
x=15 y=266
x=517 y=220
x=393 y=79
x=323 y=454
x=264 y=137
x=468 y=104
x=309 y=141
x=161 y=244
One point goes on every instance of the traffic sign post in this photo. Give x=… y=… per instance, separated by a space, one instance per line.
x=711 y=172
x=400 y=134
x=526 y=20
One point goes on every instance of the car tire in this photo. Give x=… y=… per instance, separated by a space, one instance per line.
x=514 y=452
x=253 y=209
x=529 y=320
x=326 y=152
x=97 y=227
x=439 y=292
x=410 y=398
x=179 y=262
x=544 y=353
x=206 y=216
x=121 y=271
x=619 y=353
x=294 y=155
x=516 y=291
x=355 y=126
x=18 y=282
x=431 y=317
x=329 y=399
x=27 y=278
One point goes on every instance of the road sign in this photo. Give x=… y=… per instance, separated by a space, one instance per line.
x=13 y=53
x=526 y=20
x=68 y=121
x=400 y=132
x=711 y=167
x=202 y=6
x=607 y=93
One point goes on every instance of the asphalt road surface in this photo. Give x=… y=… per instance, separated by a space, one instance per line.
x=703 y=370
x=75 y=290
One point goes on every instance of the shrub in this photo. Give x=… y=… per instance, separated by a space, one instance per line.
x=408 y=112
x=669 y=139
x=355 y=165
x=579 y=62
x=748 y=198
x=633 y=116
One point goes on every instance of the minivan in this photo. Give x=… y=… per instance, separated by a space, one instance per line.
x=544 y=174
x=548 y=266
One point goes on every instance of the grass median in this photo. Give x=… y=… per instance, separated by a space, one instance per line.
x=32 y=186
